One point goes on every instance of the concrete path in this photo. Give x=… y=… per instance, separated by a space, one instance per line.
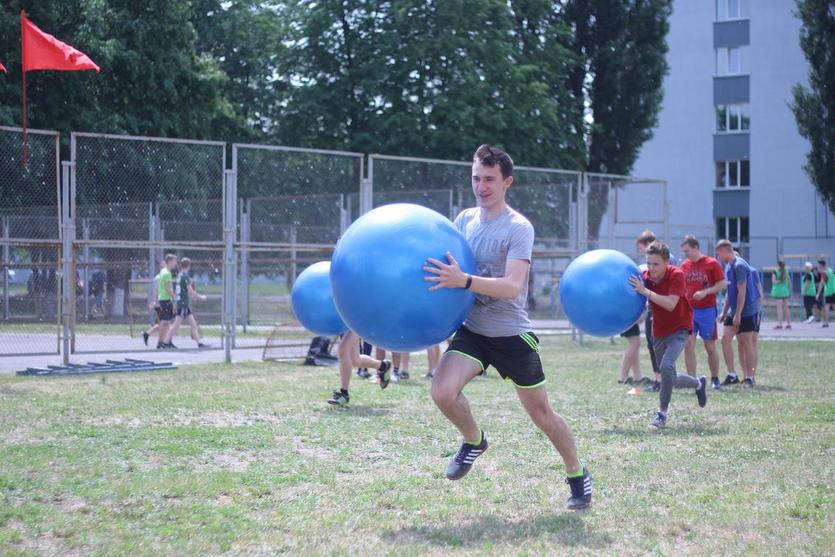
x=122 y=350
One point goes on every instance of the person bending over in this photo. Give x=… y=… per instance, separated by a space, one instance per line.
x=664 y=287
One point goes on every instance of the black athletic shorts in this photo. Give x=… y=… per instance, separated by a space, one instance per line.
x=183 y=312
x=747 y=324
x=516 y=358
x=166 y=310
x=633 y=331
x=830 y=299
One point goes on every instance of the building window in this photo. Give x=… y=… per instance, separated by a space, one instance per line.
x=731 y=60
x=732 y=118
x=731 y=9
x=733 y=174
x=734 y=229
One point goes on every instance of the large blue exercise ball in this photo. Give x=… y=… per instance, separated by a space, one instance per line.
x=377 y=277
x=313 y=303
x=596 y=296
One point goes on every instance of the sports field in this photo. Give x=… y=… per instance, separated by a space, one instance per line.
x=249 y=460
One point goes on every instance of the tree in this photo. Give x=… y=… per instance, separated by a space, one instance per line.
x=814 y=107
x=621 y=45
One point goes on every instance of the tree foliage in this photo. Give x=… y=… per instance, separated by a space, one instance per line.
x=574 y=84
x=814 y=106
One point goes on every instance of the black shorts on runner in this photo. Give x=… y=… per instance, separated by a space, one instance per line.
x=516 y=358
x=830 y=299
x=633 y=331
x=166 y=310
x=746 y=325
x=183 y=312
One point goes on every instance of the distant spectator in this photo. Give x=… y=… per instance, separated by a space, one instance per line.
x=780 y=292
x=810 y=291
x=826 y=289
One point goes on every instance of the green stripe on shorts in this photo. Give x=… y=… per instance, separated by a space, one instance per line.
x=530 y=341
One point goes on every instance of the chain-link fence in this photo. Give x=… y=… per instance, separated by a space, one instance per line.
x=30 y=233
x=618 y=208
x=294 y=204
x=251 y=230
x=137 y=199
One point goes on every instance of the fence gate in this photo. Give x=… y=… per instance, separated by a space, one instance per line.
x=136 y=199
x=30 y=243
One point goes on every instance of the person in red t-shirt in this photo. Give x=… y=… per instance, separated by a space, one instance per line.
x=703 y=279
x=663 y=286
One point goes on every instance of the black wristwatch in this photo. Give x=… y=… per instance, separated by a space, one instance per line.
x=469 y=282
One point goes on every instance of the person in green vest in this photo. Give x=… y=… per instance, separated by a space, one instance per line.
x=826 y=289
x=780 y=292
x=810 y=292
x=166 y=299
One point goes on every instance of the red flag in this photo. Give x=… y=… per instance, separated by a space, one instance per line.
x=3 y=68
x=42 y=51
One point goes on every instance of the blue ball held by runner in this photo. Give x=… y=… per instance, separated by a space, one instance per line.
x=378 y=282
x=313 y=303
x=596 y=296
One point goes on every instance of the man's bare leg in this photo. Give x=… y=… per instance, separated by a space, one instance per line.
x=450 y=379
x=535 y=402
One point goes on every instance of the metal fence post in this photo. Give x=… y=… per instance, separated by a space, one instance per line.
x=85 y=233
x=230 y=197
x=583 y=214
x=6 y=265
x=612 y=209
x=246 y=207
x=67 y=238
x=153 y=260
x=367 y=188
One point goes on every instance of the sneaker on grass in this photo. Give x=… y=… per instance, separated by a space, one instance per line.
x=580 y=491
x=660 y=420
x=464 y=458
x=338 y=398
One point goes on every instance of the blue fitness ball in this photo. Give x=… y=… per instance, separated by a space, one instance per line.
x=596 y=296
x=377 y=277
x=313 y=303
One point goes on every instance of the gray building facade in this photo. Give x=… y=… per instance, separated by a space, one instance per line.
x=726 y=139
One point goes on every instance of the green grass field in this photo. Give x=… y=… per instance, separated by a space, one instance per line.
x=250 y=460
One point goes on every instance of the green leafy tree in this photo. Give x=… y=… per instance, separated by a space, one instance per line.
x=621 y=46
x=814 y=106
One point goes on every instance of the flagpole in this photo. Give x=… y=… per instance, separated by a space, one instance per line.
x=23 y=81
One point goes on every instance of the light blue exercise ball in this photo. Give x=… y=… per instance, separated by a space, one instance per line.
x=377 y=277
x=596 y=296
x=313 y=302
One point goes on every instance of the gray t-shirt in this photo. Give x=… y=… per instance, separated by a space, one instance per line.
x=508 y=236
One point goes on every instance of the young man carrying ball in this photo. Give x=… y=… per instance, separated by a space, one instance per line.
x=663 y=285
x=497 y=331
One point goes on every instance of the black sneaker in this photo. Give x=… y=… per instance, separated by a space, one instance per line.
x=701 y=392
x=384 y=374
x=748 y=383
x=404 y=375
x=463 y=460
x=145 y=336
x=714 y=382
x=643 y=380
x=580 y=491
x=203 y=345
x=654 y=388
x=171 y=345
x=338 y=398
x=730 y=380
x=627 y=381
x=363 y=373
x=429 y=375
x=660 y=420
